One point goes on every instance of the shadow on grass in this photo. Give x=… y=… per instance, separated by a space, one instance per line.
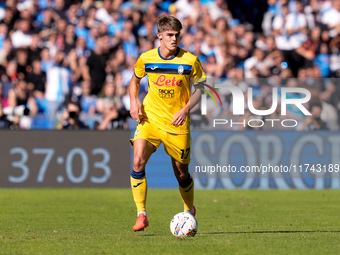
x=272 y=232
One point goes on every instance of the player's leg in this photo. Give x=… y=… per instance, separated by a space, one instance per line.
x=186 y=185
x=178 y=147
x=142 y=152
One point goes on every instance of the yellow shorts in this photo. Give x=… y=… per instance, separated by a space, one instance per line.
x=176 y=146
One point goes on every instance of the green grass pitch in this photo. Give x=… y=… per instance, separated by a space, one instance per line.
x=99 y=221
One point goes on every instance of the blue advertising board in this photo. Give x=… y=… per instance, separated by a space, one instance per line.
x=255 y=160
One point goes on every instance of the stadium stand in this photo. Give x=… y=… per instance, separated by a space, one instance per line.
x=67 y=50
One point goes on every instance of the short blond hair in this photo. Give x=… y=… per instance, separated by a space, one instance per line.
x=168 y=22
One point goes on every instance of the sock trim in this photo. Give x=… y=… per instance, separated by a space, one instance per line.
x=143 y=212
x=186 y=183
x=191 y=211
x=136 y=175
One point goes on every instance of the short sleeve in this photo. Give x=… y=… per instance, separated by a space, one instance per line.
x=198 y=73
x=140 y=68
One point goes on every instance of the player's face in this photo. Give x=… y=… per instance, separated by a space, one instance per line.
x=169 y=39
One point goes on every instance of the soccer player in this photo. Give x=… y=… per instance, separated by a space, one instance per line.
x=164 y=114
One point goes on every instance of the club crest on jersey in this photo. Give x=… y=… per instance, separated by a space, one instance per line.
x=163 y=81
x=180 y=70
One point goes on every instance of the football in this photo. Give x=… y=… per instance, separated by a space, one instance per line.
x=183 y=225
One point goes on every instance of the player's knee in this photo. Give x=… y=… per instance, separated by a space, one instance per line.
x=182 y=177
x=138 y=164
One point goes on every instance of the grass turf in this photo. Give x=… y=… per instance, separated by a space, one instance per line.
x=99 y=221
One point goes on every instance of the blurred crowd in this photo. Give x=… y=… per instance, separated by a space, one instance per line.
x=67 y=64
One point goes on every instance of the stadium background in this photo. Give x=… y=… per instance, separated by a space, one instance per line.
x=56 y=53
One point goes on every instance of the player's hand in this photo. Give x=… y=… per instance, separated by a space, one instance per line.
x=135 y=111
x=179 y=118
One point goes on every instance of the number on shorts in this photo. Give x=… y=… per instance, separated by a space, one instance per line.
x=185 y=153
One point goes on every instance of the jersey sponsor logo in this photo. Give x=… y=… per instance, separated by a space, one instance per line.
x=180 y=70
x=163 y=81
x=166 y=93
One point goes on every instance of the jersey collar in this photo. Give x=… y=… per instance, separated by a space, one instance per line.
x=159 y=53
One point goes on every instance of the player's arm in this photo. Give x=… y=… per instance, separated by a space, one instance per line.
x=196 y=96
x=199 y=76
x=135 y=109
x=180 y=116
